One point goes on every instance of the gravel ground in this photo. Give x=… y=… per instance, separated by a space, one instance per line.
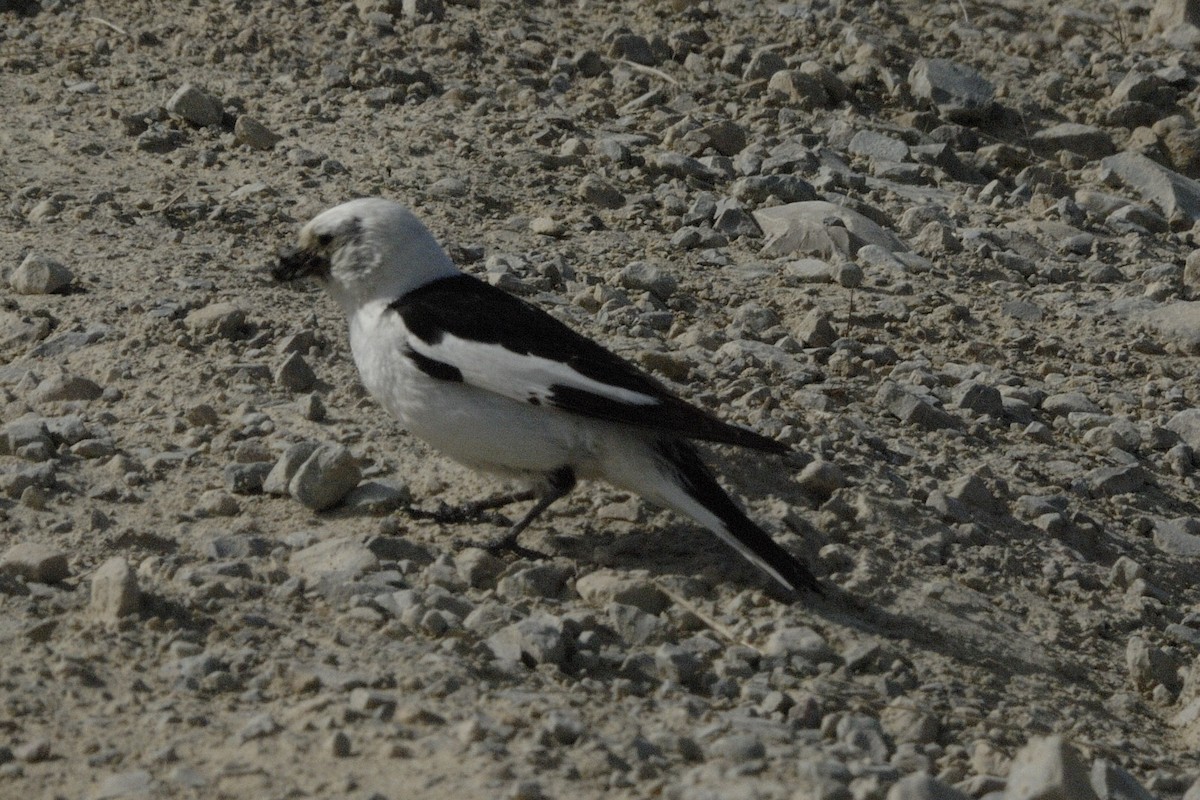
x=945 y=250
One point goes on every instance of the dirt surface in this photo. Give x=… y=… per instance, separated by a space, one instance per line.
x=989 y=375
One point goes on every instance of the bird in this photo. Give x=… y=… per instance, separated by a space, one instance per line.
x=503 y=387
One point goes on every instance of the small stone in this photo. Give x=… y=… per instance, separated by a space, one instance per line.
x=600 y=192
x=115 y=591
x=223 y=319
x=738 y=748
x=39 y=274
x=295 y=375
x=63 y=387
x=604 y=586
x=344 y=557
x=312 y=408
x=377 y=497
x=251 y=132
x=36 y=563
x=1048 y=769
x=820 y=479
x=538 y=639
x=1186 y=424
x=1179 y=536
x=217 y=503
x=960 y=93
x=327 y=476
x=285 y=468
x=978 y=397
x=195 y=106
x=547 y=226
x=640 y=276
x=815 y=329
x=1110 y=481
x=478 y=567
x=799 y=641
x=134 y=783
x=1060 y=405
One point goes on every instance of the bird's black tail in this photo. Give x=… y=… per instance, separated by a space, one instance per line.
x=699 y=496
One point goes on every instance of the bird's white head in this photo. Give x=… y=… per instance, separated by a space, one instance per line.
x=366 y=250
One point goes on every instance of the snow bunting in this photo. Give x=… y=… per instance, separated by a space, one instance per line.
x=502 y=386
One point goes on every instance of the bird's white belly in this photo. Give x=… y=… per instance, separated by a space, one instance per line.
x=475 y=427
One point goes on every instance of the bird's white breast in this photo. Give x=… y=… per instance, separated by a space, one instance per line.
x=474 y=426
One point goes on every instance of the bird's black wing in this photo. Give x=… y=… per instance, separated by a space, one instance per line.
x=466 y=330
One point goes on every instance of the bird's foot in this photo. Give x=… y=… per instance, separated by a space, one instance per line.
x=508 y=542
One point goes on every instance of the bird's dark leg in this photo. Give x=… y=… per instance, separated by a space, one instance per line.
x=559 y=484
x=474 y=511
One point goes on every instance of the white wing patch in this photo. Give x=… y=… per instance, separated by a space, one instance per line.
x=526 y=378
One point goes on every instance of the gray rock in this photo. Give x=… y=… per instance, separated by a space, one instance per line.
x=245 y=478
x=479 y=568
x=683 y=167
x=1176 y=195
x=920 y=786
x=1060 y=405
x=134 y=783
x=254 y=134
x=788 y=188
x=679 y=664
x=1048 y=769
x=809 y=270
x=734 y=221
x=820 y=479
x=763 y=64
x=115 y=591
x=40 y=274
x=864 y=734
x=327 y=476
x=37 y=563
x=960 y=93
x=794 y=227
x=1179 y=323
x=1086 y=140
x=1179 y=536
x=799 y=641
x=285 y=468
x=538 y=639
x=64 y=387
x=223 y=319
x=377 y=497
x=294 y=374
x=878 y=146
x=978 y=397
x=1113 y=782
x=28 y=434
x=1149 y=666
x=540 y=580
x=815 y=329
x=1186 y=425
x=602 y=587
x=344 y=557
x=738 y=748
x=599 y=192
x=909 y=408
x=640 y=276
x=196 y=106
x=1109 y=481
x=633 y=47
x=799 y=88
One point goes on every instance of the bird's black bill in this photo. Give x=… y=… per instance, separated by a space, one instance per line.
x=299 y=263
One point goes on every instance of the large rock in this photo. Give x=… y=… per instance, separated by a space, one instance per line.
x=40 y=274
x=195 y=106
x=115 y=591
x=327 y=476
x=1186 y=425
x=1048 y=769
x=1176 y=195
x=1178 y=323
x=960 y=93
x=818 y=227
x=1086 y=140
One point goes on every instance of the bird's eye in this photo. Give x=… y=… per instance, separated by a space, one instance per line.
x=324 y=239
